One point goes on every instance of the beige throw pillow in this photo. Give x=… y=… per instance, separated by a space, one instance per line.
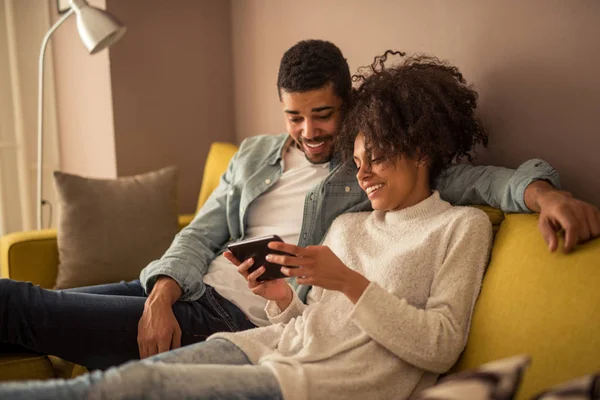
x=110 y=229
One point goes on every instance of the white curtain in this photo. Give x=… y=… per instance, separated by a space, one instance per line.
x=23 y=24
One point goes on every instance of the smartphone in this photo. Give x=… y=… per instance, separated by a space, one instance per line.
x=257 y=250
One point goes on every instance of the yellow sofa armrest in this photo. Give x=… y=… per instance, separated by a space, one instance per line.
x=30 y=256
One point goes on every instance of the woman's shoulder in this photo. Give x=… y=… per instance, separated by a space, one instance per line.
x=467 y=217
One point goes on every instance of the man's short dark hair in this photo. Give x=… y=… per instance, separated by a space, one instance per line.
x=313 y=64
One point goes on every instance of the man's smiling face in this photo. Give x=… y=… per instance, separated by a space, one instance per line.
x=313 y=118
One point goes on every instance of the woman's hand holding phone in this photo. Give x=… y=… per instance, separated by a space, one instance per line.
x=277 y=290
x=319 y=266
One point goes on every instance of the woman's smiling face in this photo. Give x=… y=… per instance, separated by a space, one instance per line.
x=390 y=184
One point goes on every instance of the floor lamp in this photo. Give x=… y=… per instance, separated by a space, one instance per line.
x=97 y=29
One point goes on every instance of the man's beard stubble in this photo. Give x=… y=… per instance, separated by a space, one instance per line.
x=326 y=157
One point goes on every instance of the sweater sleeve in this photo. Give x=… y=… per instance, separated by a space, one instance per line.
x=432 y=338
x=294 y=309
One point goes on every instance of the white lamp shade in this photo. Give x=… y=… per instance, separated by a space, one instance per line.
x=97 y=28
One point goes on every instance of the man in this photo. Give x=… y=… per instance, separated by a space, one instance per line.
x=286 y=185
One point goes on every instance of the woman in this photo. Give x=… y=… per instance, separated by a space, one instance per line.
x=393 y=289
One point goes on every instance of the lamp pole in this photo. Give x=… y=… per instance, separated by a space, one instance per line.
x=40 y=130
x=97 y=29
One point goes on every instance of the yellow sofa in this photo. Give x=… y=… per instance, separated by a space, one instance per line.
x=534 y=302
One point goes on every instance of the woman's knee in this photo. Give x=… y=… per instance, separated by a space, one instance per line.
x=126 y=381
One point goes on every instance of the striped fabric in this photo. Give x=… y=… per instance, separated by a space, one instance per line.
x=586 y=388
x=497 y=380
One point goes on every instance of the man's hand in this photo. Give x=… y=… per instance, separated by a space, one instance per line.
x=158 y=329
x=559 y=210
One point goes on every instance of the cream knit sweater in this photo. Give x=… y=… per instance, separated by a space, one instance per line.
x=425 y=264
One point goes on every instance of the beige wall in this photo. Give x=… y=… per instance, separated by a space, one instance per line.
x=535 y=64
x=171 y=85
x=84 y=103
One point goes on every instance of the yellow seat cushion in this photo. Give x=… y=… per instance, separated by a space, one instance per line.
x=25 y=366
x=65 y=369
x=545 y=305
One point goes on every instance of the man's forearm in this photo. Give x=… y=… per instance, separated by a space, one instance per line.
x=165 y=290
x=536 y=191
x=498 y=187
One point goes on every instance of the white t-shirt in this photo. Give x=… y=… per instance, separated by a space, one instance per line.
x=278 y=211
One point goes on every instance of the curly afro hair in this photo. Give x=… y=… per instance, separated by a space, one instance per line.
x=421 y=106
x=313 y=64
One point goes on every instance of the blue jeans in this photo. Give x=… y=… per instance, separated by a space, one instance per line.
x=216 y=369
x=97 y=326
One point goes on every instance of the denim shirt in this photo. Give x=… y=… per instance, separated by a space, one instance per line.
x=258 y=165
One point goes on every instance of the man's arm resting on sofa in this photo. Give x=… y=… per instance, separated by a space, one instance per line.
x=503 y=188
x=533 y=187
x=559 y=210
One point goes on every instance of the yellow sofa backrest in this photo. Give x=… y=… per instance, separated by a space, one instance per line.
x=218 y=158
x=545 y=305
